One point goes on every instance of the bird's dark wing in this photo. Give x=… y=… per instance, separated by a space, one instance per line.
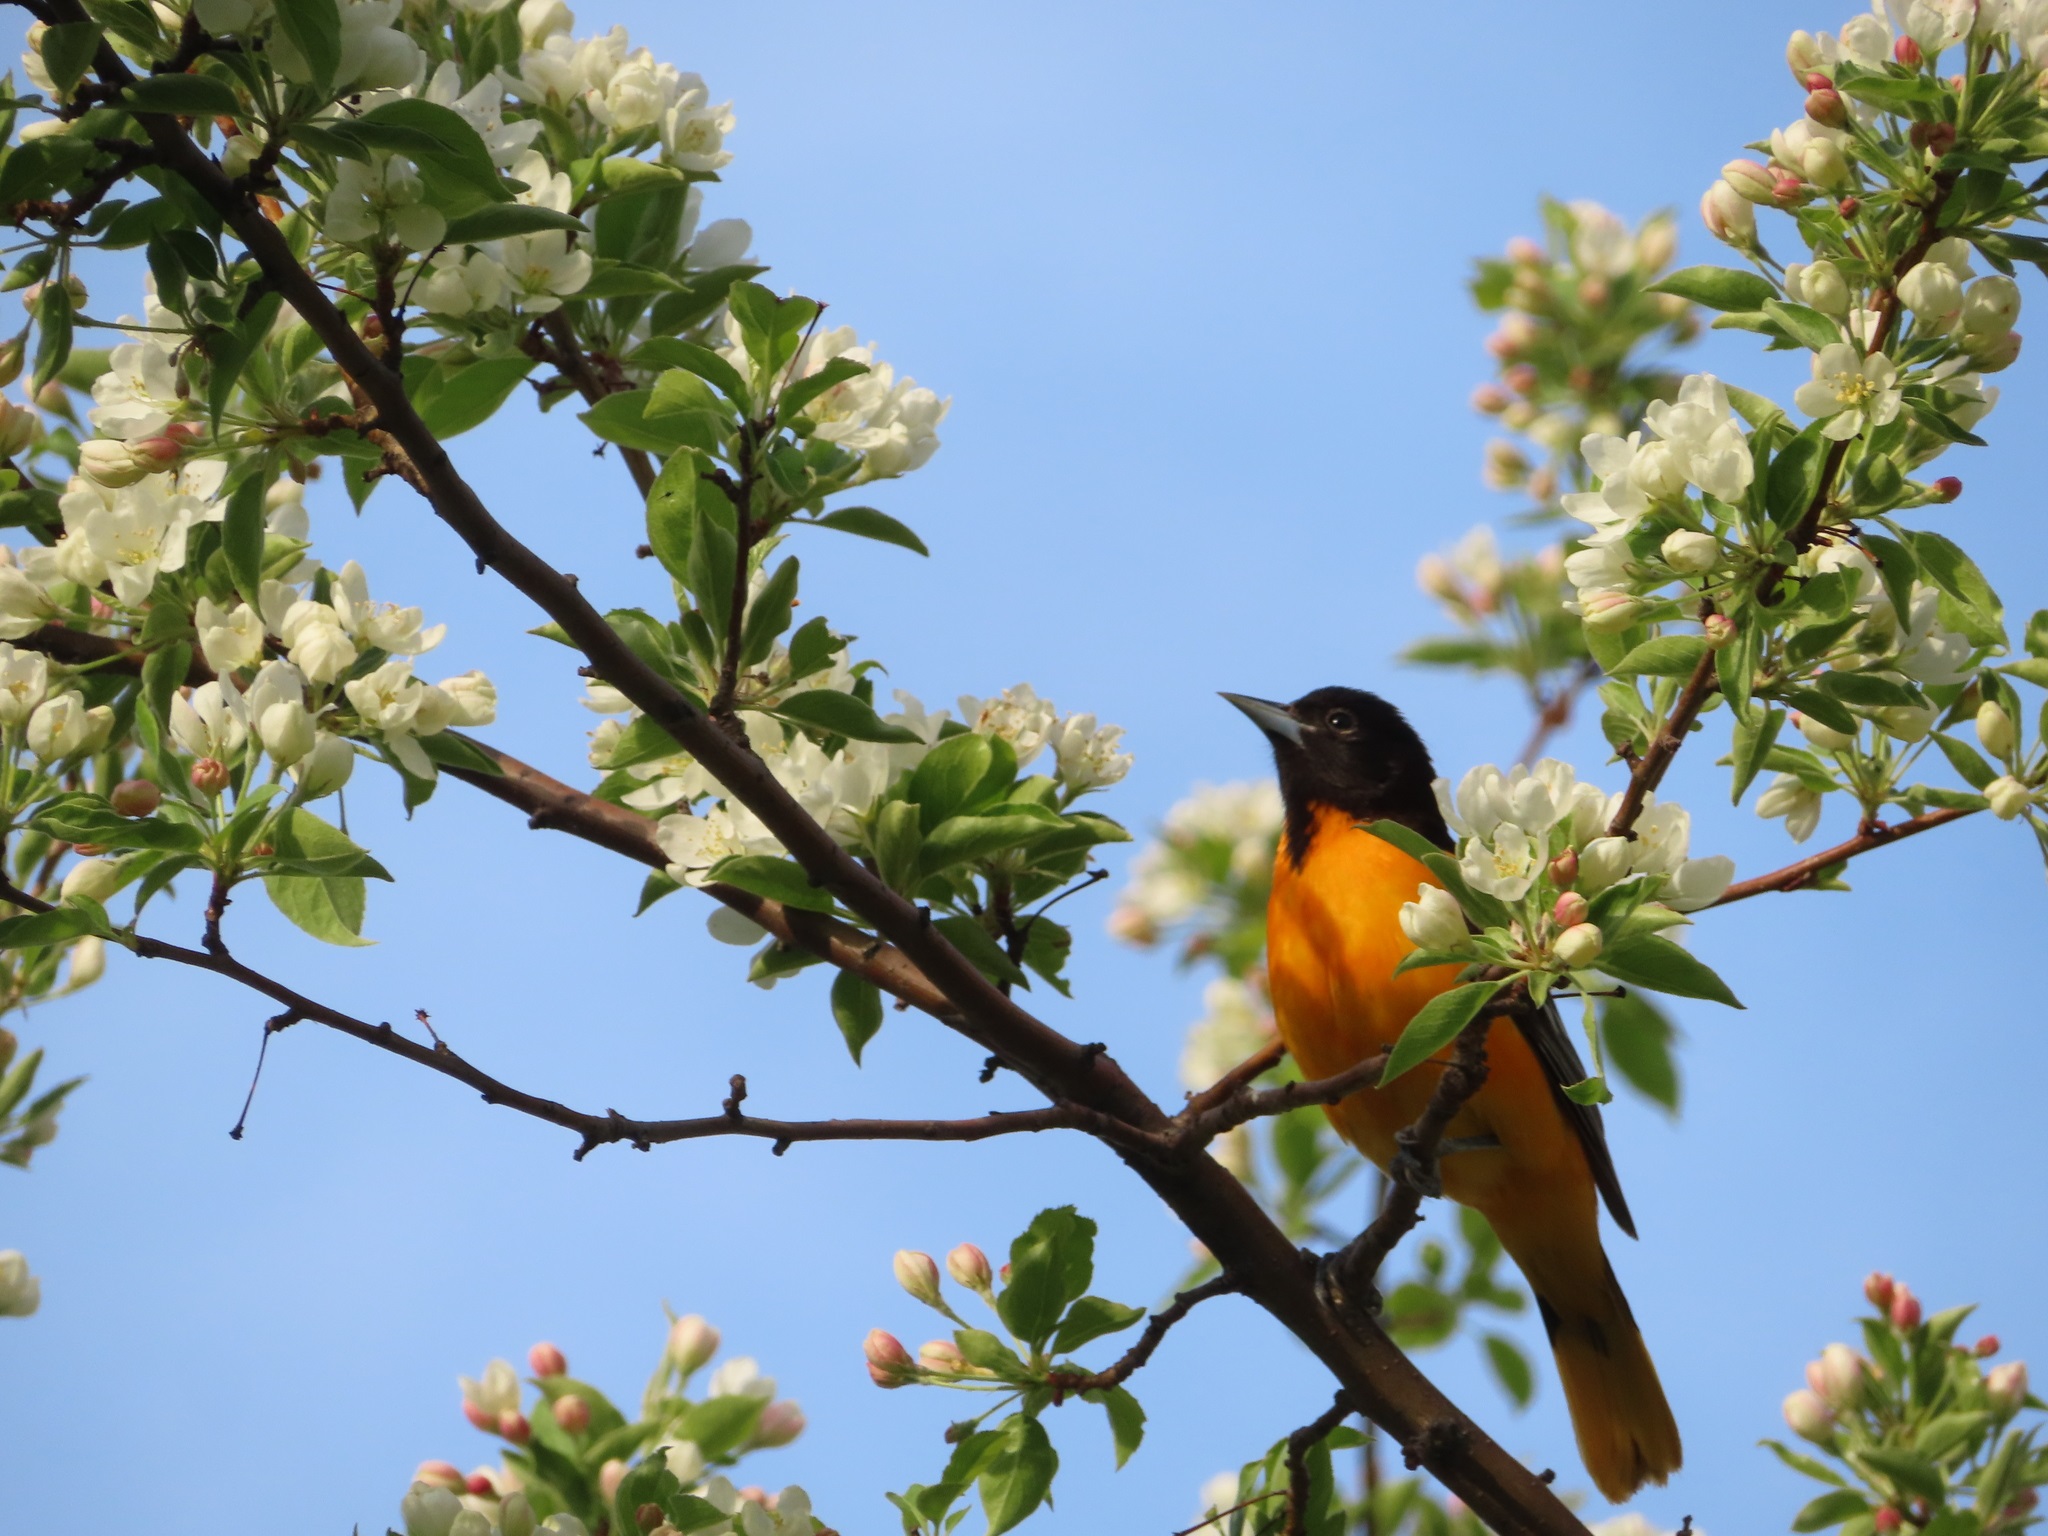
x=1545 y=1032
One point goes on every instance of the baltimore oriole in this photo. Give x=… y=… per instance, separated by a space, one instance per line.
x=1521 y=1153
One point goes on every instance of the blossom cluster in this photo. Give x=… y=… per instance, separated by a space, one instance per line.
x=671 y=1458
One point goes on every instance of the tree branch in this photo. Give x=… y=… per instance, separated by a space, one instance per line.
x=1299 y=1444
x=1197 y=1128
x=1649 y=769
x=1793 y=876
x=566 y=353
x=1215 y=1207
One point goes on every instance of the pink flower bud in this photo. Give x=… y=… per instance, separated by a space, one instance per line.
x=1985 y=1347
x=1522 y=378
x=968 y=1265
x=691 y=1342
x=2007 y=1385
x=2028 y=1501
x=513 y=1426
x=154 y=455
x=1786 y=190
x=480 y=1483
x=1609 y=612
x=1905 y=1309
x=1718 y=628
x=485 y=1421
x=1948 y=488
x=1825 y=106
x=1816 y=81
x=440 y=1474
x=210 y=776
x=1525 y=252
x=889 y=1363
x=1578 y=946
x=1887 y=1520
x=1490 y=399
x=609 y=1476
x=1003 y=1274
x=918 y=1274
x=1877 y=1290
x=1838 y=1376
x=780 y=1423
x=1809 y=1416
x=571 y=1412
x=1848 y=207
x=135 y=797
x=185 y=432
x=546 y=1360
x=1564 y=869
x=1936 y=138
x=1570 y=910
x=942 y=1355
x=1908 y=53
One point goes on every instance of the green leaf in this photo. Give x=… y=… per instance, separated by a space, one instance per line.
x=1437 y=1024
x=779 y=879
x=67 y=49
x=964 y=839
x=1665 y=656
x=84 y=818
x=306 y=845
x=1795 y=476
x=451 y=399
x=1511 y=1367
x=1650 y=960
x=1827 y=711
x=1830 y=1509
x=946 y=781
x=974 y=943
x=1956 y=574
x=1723 y=288
x=1051 y=1263
x=623 y=419
x=1966 y=761
x=867 y=523
x=841 y=714
x=1636 y=1040
x=1755 y=735
x=242 y=535
x=60 y=925
x=1818 y=1470
x=330 y=909
x=2036 y=638
x=1405 y=838
x=1809 y=327
x=436 y=138
x=978 y=1347
x=1091 y=1318
x=1126 y=1420
x=857 y=1009
x=1591 y=1090
x=1867 y=690
x=1017 y=1477
x=314 y=27
x=53 y=331
x=1909 y=1470
x=181 y=95
x=802 y=392
x=494 y=221
x=769 y=613
x=672 y=352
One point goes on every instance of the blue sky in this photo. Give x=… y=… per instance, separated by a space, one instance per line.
x=1193 y=276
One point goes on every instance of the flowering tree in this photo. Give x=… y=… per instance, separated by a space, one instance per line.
x=369 y=227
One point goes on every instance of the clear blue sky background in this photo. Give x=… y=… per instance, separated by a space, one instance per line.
x=1194 y=276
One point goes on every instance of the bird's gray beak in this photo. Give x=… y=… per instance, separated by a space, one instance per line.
x=1274 y=719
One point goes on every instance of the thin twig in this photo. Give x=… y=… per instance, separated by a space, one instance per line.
x=1793 y=876
x=1133 y=1359
x=1197 y=1128
x=1243 y=1075
x=271 y=1026
x=1299 y=1444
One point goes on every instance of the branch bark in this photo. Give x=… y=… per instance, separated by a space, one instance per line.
x=1793 y=876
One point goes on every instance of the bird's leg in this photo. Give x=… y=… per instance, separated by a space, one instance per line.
x=1411 y=1171
x=1334 y=1290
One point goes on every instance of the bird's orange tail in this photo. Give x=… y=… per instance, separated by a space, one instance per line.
x=1627 y=1436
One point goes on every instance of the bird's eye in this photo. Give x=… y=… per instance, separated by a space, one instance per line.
x=1341 y=721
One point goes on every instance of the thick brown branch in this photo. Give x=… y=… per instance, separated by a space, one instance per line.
x=1216 y=1208
x=1649 y=769
x=1793 y=876
x=1133 y=1359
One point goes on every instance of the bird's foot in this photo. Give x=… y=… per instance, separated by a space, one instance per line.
x=1337 y=1294
x=1411 y=1172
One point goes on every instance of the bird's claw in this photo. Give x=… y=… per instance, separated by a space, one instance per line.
x=1412 y=1172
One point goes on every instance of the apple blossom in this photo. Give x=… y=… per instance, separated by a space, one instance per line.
x=1849 y=390
x=918 y=1273
x=1809 y=1416
x=1788 y=796
x=325 y=768
x=229 y=638
x=1728 y=215
x=24 y=681
x=1995 y=729
x=1578 y=946
x=1088 y=757
x=1932 y=290
x=1690 y=553
x=1434 y=920
x=60 y=727
x=2006 y=1385
x=2008 y=796
x=969 y=1266
x=691 y=1342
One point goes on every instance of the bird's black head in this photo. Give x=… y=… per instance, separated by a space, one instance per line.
x=1353 y=751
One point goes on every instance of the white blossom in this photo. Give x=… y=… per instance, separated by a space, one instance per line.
x=24 y=607
x=694 y=844
x=740 y=1377
x=483 y=108
x=229 y=638
x=380 y=626
x=1847 y=389
x=460 y=285
x=475 y=698
x=384 y=200
x=496 y=1392
x=211 y=721
x=325 y=768
x=137 y=397
x=1088 y=757
x=133 y=533
x=1434 y=920
x=375 y=55
x=1503 y=863
x=1789 y=797
x=60 y=727
x=693 y=131
x=892 y=423
x=401 y=708
x=275 y=705
x=1017 y=714
x=1706 y=441
x=24 y=680
x=20 y=1292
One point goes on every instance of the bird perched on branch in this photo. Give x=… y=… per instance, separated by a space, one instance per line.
x=1521 y=1153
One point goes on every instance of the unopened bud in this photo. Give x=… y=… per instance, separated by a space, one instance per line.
x=918 y=1274
x=968 y=1265
x=1993 y=353
x=1564 y=869
x=480 y=1416
x=545 y=1359
x=2007 y=1385
x=1887 y=1520
x=1826 y=737
x=1525 y=252
x=513 y=1426
x=1809 y=1417
x=1849 y=207
x=1609 y=612
x=609 y=1476
x=1936 y=138
x=108 y=462
x=1877 y=1290
x=1817 y=81
x=135 y=798
x=1825 y=106
x=1803 y=55
x=649 y=1517
x=1718 y=628
x=156 y=455
x=515 y=1515
x=1838 y=1375
x=1908 y=53
x=480 y=1483
x=1522 y=378
x=1905 y=1308
x=1994 y=729
x=1490 y=399
x=210 y=776
x=1753 y=182
x=2008 y=797
x=97 y=878
x=889 y=1363
x=1787 y=190
x=1691 y=553
x=1570 y=910
x=1985 y=1347
x=12 y=355
x=780 y=1423
x=942 y=1355
x=439 y=1474
x=1577 y=947
x=572 y=1412
x=691 y=1342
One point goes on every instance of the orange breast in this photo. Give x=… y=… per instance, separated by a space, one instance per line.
x=1333 y=940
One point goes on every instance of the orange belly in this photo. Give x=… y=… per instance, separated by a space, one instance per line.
x=1333 y=940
